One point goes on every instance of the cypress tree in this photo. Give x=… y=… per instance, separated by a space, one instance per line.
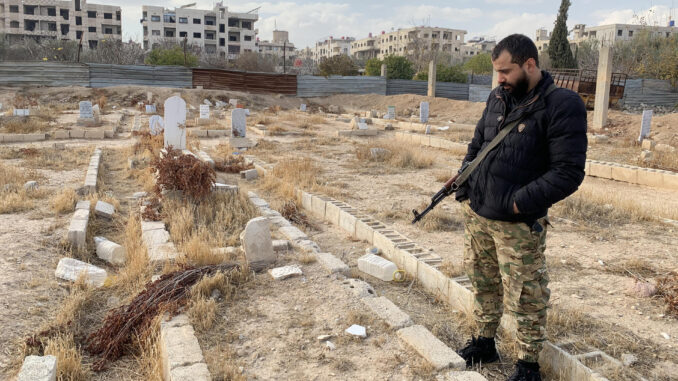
x=559 y=47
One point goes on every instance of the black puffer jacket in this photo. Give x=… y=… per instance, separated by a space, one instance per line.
x=538 y=164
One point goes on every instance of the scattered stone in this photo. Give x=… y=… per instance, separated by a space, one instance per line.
x=359 y=288
x=599 y=139
x=333 y=109
x=281 y=245
x=648 y=144
x=250 y=174
x=444 y=128
x=225 y=187
x=280 y=273
x=629 y=359
x=378 y=153
x=431 y=348
x=640 y=289
x=428 y=129
x=357 y=330
x=389 y=127
x=70 y=269
x=104 y=209
x=59 y=146
x=38 y=368
x=387 y=311
x=293 y=233
x=646 y=155
x=464 y=375
x=109 y=251
x=256 y=240
x=322 y=338
x=138 y=195
x=377 y=266
x=330 y=345
x=207 y=102
x=666 y=336
x=331 y=263
x=82 y=205
x=31 y=185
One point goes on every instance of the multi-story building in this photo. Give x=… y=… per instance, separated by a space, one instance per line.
x=612 y=33
x=409 y=41
x=216 y=31
x=55 y=19
x=477 y=45
x=331 y=47
x=279 y=46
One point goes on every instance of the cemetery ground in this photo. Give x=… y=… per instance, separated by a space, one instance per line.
x=607 y=240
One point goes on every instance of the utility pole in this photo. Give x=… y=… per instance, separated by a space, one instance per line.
x=185 y=45
x=284 y=56
x=79 y=47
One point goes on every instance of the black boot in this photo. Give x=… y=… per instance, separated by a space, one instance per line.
x=479 y=350
x=526 y=371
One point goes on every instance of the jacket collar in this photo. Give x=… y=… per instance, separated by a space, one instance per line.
x=533 y=101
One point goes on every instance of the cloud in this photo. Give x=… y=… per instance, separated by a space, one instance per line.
x=524 y=23
x=656 y=15
x=513 y=2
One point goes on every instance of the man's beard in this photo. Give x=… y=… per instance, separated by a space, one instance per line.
x=518 y=89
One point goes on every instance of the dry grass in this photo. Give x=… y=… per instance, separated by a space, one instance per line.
x=69 y=360
x=70 y=308
x=302 y=173
x=15 y=202
x=137 y=271
x=11 y=176
x=276 y=130
x=306 y=258
x=397 y=155
x=13 y=197
x=451 y=269
x=64 y=202
x=215 y=221
x=203 y=304
x=602 y=208
x=203 y=312
x=23 y=125
x=148 y=358
x=316 y=119
x=440 y=220
x=224 y=364
x=265 y=120
x=667 y=161
x=443 y=175
x=667 y=287
x=50 y=158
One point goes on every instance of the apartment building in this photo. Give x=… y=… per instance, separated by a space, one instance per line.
x=477 y=45
x=612 y=33
x=217 y=31
x=331 y=47
x=54 y=19
x=404 y=42
x=279 y=46
x=542 y=39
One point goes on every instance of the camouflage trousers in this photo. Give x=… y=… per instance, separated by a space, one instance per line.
x=506 y=265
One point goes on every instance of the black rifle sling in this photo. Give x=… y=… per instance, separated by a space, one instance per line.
x=495 y=142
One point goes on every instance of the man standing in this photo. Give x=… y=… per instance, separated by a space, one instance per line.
x=506 y=199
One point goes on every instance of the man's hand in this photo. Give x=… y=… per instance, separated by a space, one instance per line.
x=515 y=208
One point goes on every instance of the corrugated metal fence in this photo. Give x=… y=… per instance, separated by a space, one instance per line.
x=103 y=75
x=652 y=92
x=43 y=74
x=312 y=86
x=245 y=81
x=443 y=89
x=479 y=93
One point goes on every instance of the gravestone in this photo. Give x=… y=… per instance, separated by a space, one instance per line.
x=150 y=109
x=156 y=124
x=238 y=123
x=86 y=110
x=96 y=112
x=645 y=125
x=233 y=102
x=423 y=112
x=390 y=113
x=175 y=123
x=302 y=107
x=204 y=111
x=21 y=112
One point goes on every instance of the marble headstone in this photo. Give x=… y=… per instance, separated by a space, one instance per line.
x=238 y=123
x=175 y=123
x=391 y=112
x=156 y=124
x=86 y=110
x=645 y=124
x=302 y=107
x=150 y=109
x=204 y=111
x=423 y=112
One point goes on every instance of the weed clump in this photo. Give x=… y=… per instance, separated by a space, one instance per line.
x=233 y=164
x=667 y=287
x=185 y=173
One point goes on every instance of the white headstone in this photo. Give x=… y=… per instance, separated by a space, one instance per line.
x=96 y=112
x=150 y=109
x=391 y=112
x=302 y=107
x=428 y=129
x=204 y=111
x=21 y=112
x=423 y=112
x=156 y=124
x=362 y=126
x=238 y=123
x=175 y=123
x=645 y=125
x=256 y=240
x=86 y=109
x=233 y=102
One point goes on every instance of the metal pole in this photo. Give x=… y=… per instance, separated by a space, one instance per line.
x=284 y=57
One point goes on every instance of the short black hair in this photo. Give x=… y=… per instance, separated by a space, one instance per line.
x=520 y=47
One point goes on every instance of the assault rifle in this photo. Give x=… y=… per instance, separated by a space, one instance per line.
x=450 y=187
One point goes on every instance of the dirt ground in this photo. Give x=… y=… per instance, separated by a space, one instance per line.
x=269 y=330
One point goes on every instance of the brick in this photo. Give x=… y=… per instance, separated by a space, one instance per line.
x=293 y=233
x=670 y=180
x=179 y=348
x=363 y=231
x=306 y=201
x=387 y=311
x=216 y=133
x=250 y=174
x=71 y=269
x=383 y=242
x=281 y=245
x=280 y=273
x=61 y=134
x=624 y=173
x=197 y=133
x=104 y=209
x=432 y=279
x=650 y=177
x=332 y=210
x=77 y=233
x=152 y=225
x=430 y=348
x=77 y=133
x=461 y=376
x=307 y=246
x=155 y=237
x=109 y=251
x=219 y=187
x=38 y=368
x=82 y=204
x=331 y=263
x=162 y=252
x=377 y=267
x=601 y=170
x=318 y=205
x=347 y=221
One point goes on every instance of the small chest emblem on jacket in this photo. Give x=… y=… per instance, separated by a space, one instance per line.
x=521 y=127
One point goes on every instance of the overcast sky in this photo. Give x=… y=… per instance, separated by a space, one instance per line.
x=308 y=21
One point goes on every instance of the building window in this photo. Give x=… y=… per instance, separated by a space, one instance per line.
x=233 y=23
x=631 y=33
x=91 y=14
x=155 y=33
x=183 y=34
x=13 y=9
x=222 y=42
x=63 y=13
x=197 y=21
x=92 y=29
x=183 y=20
x=155 y=18
x=78 y=20
x=169 y=33
x=222 y=28
x=619 y=32
x=117 y=15
x=108 y=16
x=93 y=44
x=169 y=18
x=248 y=38
x=210 y=21
x=51 y=12
x=197 y=35
x=14 y=24
x=108 y=31
x=247 y=25
x=144 y=15
x=78 y=34
x=233 y=38
x=209 y=36
x=64 y=29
